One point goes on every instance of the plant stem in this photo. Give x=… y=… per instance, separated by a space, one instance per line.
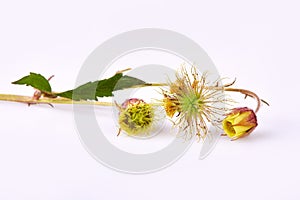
x=59 y=100
x=149 y=85
x=247 y=93
x=45 y=100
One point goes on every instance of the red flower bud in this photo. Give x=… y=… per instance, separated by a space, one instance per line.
x=240 y=122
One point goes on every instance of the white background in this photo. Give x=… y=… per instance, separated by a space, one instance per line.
x=41 y=156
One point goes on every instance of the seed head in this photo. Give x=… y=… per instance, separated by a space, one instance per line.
x=136 y=116
x=196 y=102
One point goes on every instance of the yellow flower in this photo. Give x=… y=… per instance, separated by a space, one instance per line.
x=239 y=123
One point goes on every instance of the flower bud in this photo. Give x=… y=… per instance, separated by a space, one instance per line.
x=239 y=123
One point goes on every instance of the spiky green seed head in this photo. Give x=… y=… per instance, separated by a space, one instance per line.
x=136 y=117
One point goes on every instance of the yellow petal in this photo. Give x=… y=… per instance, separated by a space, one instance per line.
x=241 y=129
x=241 y=117
x=232 y=117
x=228 y=128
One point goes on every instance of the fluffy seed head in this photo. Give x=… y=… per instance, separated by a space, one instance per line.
x=196 y=102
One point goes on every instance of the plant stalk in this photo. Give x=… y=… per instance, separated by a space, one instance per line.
x=247 y=93
x=29 y=100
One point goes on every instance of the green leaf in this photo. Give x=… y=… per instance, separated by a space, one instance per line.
x=37 y=81
x=101 y=88
x=83 y=92
x=127 y=82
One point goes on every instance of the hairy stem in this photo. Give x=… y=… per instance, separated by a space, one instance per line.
x=247 y=93
x=45 y=100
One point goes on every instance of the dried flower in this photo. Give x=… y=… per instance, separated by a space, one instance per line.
x=239 y=123
x=170 y=104
x=195 y=102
